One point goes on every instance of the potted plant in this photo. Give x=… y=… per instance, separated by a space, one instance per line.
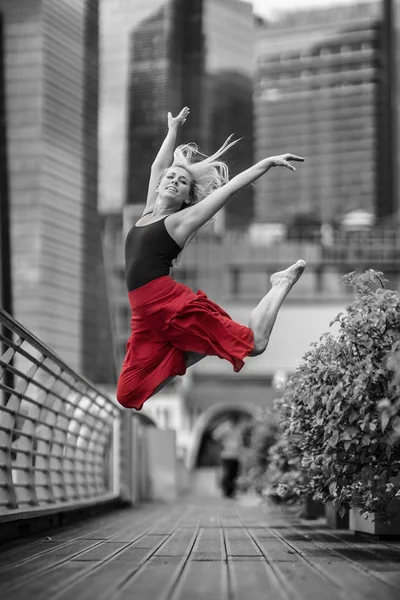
x=333 y=407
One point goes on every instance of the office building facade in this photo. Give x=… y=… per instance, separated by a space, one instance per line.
x=50 y=69
x=396 y=47
x=320 y=93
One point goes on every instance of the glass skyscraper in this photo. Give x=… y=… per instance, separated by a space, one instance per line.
x=322 y=91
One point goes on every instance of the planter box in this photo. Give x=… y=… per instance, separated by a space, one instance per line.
x=368 y=526
x=333 y=519
x=312 y=509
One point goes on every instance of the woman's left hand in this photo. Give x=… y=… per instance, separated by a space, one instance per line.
x=283 y=160
x=174 y=122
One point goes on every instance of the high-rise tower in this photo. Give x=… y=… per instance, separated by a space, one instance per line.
x=321 y=92
x=50 y=90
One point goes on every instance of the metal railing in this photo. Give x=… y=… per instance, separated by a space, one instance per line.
x=59 y=434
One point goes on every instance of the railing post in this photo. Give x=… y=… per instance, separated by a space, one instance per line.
x=6 y=296
x=116 y=454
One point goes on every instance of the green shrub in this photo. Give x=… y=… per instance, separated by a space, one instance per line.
x=257 y=436
x=340 y=410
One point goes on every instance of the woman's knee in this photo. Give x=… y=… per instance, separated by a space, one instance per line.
x=260 y=344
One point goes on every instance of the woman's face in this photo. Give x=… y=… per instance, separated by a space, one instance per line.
x=174 y=187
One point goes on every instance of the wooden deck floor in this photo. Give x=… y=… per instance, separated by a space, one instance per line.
x=219 y=550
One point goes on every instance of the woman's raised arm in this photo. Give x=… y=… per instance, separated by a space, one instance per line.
x=165 y=155
x=196 y=216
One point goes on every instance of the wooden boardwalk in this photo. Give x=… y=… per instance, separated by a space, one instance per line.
x=219 y=550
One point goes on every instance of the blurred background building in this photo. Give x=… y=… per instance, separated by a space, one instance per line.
x=395 y=19
x=323 y=90
x=50 y=103
x=87 y=85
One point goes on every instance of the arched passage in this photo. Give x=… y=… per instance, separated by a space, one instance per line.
x=206 y=419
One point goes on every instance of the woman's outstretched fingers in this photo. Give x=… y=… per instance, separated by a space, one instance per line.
x=183 y=115
x=282 y=160
x=294 y=157
x=179 y=119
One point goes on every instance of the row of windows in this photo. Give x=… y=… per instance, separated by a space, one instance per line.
x=307 y=73
x=327 y=88
x=335 y=51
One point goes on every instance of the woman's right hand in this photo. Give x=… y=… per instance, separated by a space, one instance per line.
x=174 y=122
x=283 y=160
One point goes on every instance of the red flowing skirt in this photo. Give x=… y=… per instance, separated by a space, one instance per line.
x=169 y=319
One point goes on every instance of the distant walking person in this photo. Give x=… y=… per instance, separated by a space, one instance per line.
x=229 y=435
x=172 y=326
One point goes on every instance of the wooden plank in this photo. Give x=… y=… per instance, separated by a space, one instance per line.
x=16 y=575
x=177 y=544
x=169 y=523
x=151 y=581
x=97 y=581
x=239 y=543
x=150 y=541
x=275 y=551
x=47 y=587
x=356 y=584
x=209 y=546
x=128 y=556
x=101 y=551
x=340 y=566
x=102 y=580
x=203 y=580
x=29 y=551
x=305 y=583
x=254 y=580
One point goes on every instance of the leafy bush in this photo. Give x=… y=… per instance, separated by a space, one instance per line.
x=284 y=480
x=257 y=437
x=340 y=410
x=390 y=407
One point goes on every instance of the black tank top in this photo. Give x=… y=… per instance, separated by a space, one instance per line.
x=149 y=252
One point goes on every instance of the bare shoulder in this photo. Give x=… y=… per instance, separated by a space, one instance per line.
x=144 y=220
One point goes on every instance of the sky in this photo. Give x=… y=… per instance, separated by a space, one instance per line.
x=271 y=8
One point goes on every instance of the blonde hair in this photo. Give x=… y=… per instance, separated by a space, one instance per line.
x=208 y=173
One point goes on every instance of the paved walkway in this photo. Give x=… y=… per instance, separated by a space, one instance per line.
x=219 y=550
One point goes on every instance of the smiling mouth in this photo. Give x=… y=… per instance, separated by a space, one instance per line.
x=170 y=187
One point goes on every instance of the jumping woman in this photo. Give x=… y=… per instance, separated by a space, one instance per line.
x=172 y=326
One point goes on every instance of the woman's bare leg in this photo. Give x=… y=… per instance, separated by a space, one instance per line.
x=263 y=317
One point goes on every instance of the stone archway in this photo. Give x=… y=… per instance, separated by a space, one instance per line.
x=206 y=418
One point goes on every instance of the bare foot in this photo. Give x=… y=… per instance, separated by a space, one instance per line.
x=290 y=275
